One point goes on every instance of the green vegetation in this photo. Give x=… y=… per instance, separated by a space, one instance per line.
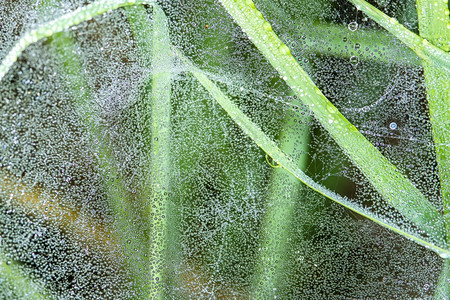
x=147 y=222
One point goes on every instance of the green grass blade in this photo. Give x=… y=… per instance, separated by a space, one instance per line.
x=24 y=288
x=160 y=151
x=395 y=188
x=154 y=48
x=268 y=146
x=434 y=22
x=434 y=25
x=420 y=46
x=283 y=194
x=48 y=29
x=141 y=27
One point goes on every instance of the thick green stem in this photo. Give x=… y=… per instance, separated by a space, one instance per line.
x=388 y=181
x=160 y=151
x=283 y=194
x=153 y=43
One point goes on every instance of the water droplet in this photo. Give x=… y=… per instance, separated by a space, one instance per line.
x=331 y=109
x=354 y=60
x=357 y=46
x=284 y=49
x=393 y=21
x=267 y=26
x=393 y=126
x=250 y=3
x=352 y=26
x=259 y=14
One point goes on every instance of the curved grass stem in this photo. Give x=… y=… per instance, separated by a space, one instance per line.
x=48 y=29
x=268 y=146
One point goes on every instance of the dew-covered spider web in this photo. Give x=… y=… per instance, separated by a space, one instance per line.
x=123 y=177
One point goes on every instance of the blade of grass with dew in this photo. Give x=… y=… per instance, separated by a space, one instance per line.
x=116 y=192
x=23 y=287
x=266 y=144
x=280 y=203
x=48 y=29
x=423 y=48
x=395 y=188
x=141 y=28
x=156 y=46
x=434 y=25
x=160 y=151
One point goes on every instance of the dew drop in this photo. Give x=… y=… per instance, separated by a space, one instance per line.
x=354 y=60
x=267 y=26
x=250 y=3
x=259 y=15
x=393 y=126
x=331 y=109
x=284 y=49
x=352 y=26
